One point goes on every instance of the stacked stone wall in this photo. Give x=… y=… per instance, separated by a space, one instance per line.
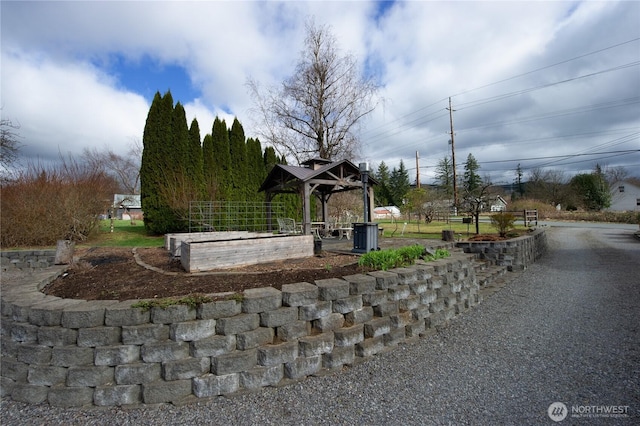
x=69 y=353
x=515 y=254
x=26 y=259
x=74 y=353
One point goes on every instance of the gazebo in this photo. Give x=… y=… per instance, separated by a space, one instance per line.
x=318 y=177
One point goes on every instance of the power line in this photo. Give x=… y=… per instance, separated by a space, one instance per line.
x=498 y=97
x=549 y=66
x=558 y=156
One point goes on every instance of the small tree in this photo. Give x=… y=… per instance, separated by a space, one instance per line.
x=474 y=201
x=503 y=222
x=418 y=204
x=591 y=190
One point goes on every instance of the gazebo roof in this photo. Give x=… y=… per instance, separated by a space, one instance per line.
x=325 y=177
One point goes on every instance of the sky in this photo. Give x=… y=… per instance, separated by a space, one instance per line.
x=550 y=85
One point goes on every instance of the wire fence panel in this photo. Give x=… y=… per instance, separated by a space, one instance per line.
x=207 y=216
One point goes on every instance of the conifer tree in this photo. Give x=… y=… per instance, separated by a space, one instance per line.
x=444 y=176
x=208 y=167
x=156 y=160
x=270 y=158
x=238 y=156
x=196 y=160
x=472 y=180
x=222 y=158
x=399 y=184
x=381 y=191
x=179 y=145
x=255 y=168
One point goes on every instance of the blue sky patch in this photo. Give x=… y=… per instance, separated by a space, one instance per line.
x=148 y=76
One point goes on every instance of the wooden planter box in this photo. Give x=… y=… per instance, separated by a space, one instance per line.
x=197 y=256
x=173 y=242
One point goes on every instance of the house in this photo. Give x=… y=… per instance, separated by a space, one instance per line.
x=387 y=212
x=127 y=206
x=625 y=196
x=498 y=204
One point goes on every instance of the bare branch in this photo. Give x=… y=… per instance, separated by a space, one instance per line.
x=316 y=111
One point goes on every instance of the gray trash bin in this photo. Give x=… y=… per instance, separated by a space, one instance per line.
x=365 y=237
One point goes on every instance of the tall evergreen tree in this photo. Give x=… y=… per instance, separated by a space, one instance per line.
x=472 y=180
x=196 y=160
x=209 y=167
x=222 y=158
x=157 y=158
x=255 y=169
x=180 y=141
x=270 y=158
x=444 y=176
x=381 y=191
x=238 y=154
x=399 y=184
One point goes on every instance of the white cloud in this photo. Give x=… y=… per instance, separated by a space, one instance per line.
x=422 y=52
x=63 y=108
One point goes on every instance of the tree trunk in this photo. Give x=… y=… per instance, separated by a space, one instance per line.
x=64 y=252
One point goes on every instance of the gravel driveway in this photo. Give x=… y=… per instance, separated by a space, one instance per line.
x=566 y=330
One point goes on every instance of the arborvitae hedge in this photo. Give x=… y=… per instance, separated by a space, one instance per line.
x=177 y=168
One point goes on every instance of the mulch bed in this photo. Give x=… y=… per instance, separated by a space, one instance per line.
x=107 y=273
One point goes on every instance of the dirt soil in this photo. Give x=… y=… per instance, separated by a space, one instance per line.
x=107 y=273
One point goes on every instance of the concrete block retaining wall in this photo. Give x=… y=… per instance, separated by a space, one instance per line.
x=515 y=254
x=75 y=353
x=27 y=259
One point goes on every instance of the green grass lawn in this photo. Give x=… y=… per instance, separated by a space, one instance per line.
x=127 y=235
x=124 y=235
x=434 y=230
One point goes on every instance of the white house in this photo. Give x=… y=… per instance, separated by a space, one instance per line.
x=386 y=212
x=625 y=196
x=498 y=204
x=127 y=206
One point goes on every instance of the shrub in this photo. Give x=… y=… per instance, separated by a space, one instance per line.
x=42 y=205
x=396 y=258
x=503 y=222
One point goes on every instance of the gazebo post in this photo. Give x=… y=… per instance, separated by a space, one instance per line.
x=268 y=198
x=371 y=204
x=306 y=208
x=325 y=207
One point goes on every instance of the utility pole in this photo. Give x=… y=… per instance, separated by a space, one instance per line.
x=453 y=158
x=417 y=170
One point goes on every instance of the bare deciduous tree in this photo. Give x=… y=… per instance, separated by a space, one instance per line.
x=8 y=142
x=614 y=175
x=549 y=186
x=475 y=201
x=316 y=112
x=124 y=168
